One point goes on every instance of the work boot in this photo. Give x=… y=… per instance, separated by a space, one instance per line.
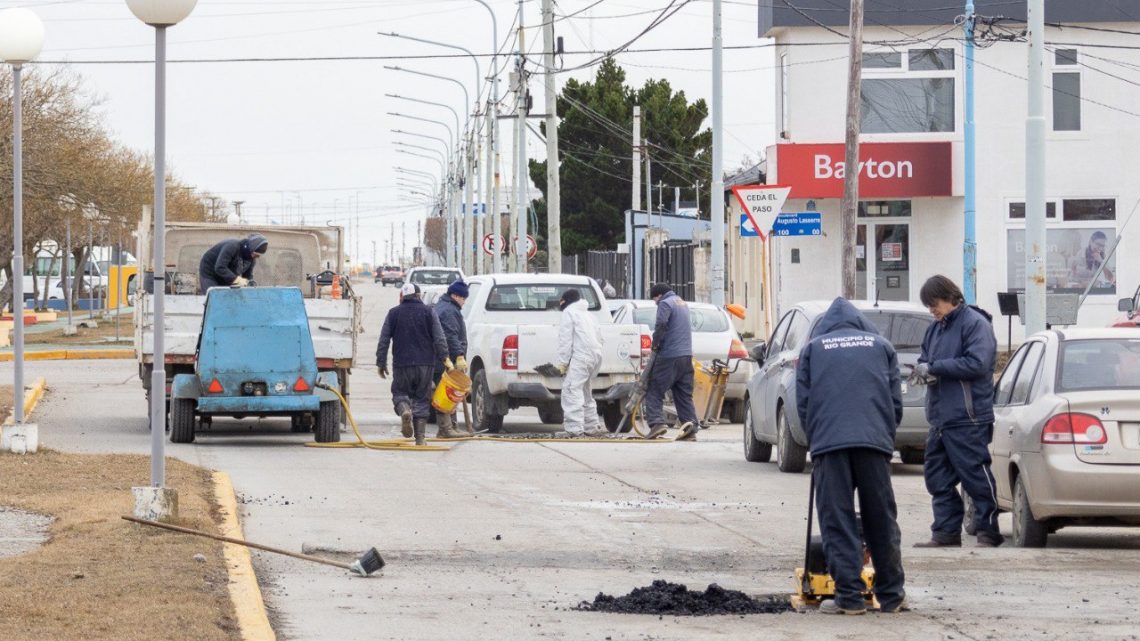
x=405 y=413
x=656 y=431
x=988 y=539
x=940 y=543
x=420 y=427
x=446 y=427
x=831 y=607
x=597 y=431
x=688 y=432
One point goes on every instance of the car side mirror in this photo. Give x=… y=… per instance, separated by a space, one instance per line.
x=1125 y=305
x=757 y=351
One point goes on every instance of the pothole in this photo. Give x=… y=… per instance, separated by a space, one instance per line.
x=21 y=532
x=674 y=599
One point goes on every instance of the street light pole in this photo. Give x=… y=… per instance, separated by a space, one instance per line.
x=717 y=198
x=1035 y=128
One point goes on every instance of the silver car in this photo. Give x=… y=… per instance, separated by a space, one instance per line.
x=771 y=417
x=1066 y=446
x=714 y=338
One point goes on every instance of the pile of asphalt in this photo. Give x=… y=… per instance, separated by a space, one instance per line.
x=674 y=599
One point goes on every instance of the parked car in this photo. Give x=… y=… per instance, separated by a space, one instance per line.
x=770 y=411
x=391 y=275
x=714 y=337
x=615 y=304
x=433 y=281
x=1131 y=311
x=512 y=328
x=1066 y=446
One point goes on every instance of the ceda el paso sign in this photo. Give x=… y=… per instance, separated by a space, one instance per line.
x=886 y=169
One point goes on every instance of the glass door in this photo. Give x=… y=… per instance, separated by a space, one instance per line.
x=885 y=263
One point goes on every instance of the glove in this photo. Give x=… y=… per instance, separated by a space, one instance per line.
x=461 y=364
x=921 y=375
x=383 y=371
x=562 y=367
x=448 y=365
x=239 y=282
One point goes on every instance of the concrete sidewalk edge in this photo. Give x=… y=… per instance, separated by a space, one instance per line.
x=32 y=397
x=71 y=354
x=245 y=593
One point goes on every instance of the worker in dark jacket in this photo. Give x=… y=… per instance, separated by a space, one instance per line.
x=449 y=310
x=849 y=398
x=672 y=367
x=418 y=344
x=957 y=361
x=230 y=262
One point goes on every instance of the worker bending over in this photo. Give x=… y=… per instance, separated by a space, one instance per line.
x=579 y=358
x=849 y=398
x=449 y=310
x=672 y=367
x=418 y=344
x=230 y=263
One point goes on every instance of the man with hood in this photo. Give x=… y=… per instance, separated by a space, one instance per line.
x=418 y=343
x=672 y=367
x=579 y=358
x=849 y=400
x=449 y=310
x=230 y=262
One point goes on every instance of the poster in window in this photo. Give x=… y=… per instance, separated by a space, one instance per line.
x=1073 y=257
x=892 y=252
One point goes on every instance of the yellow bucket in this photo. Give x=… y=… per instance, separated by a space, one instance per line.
x=453 y=387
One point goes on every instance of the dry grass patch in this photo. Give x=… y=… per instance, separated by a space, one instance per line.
x=104 y=334
x=100 y=577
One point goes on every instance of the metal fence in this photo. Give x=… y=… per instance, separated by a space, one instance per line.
x=609 y=266
x=674 y=264
x=571 y=265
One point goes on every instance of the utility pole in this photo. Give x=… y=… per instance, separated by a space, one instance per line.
x=661 y=194
x=237 y=209
x=648 y=187
x=467 y=220
x=635 y=204
x=373 y=255
x=697 y=189
x=1035 y=301
x=717 y=213
x=420 y=236
x=391 y=242
x=553 y=181
x=676 y=200
x=850 y=206
x=403 y=240
x=512 y=218
x=970 y=246
x=521 y=164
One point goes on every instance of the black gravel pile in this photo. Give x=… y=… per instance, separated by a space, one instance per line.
x=674 y=599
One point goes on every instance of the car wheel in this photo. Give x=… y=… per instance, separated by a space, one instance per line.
x=912 y=457
x=550 y=414
x=1028 y=532
x=968 y=513
x=755 y=450
x=612 y=415
x=182 y=420
x=791 y=456
x=328 y=422
x=737 y=410
x=481 y=403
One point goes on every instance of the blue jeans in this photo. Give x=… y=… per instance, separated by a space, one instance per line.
x=674 y=374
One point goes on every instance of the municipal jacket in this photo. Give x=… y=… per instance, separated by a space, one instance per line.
x=672 y=333
x=224 y=262
x=848 y=390
x=450 y=317
x=579 y=336
x=962 y=352
x=415 y=333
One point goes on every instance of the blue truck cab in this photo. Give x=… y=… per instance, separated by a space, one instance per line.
x=255 y=358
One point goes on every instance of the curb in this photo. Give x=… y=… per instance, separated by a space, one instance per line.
x=245 y=594
x=32 y=398
x=72 y=355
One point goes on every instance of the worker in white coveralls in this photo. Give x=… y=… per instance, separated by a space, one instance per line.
x=579 y=358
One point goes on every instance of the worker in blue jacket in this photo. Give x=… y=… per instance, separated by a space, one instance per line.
x=230 y=263
x=418 y=343
x=958 y=356
x=849 y=399
x=672 y=367
x=449 y=310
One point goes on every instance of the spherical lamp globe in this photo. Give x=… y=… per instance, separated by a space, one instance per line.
x=21 y=35
x=161 y=13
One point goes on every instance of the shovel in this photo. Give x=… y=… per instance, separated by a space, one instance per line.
x=368 y=562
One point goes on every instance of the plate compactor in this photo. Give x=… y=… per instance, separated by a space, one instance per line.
x=813 y=581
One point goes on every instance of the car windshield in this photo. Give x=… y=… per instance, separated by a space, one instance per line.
x=1101 y=364
x=435 y=276
x=903 y=329
x=702 y=319
x=532 y=298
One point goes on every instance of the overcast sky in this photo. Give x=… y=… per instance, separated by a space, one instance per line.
x=276 y=134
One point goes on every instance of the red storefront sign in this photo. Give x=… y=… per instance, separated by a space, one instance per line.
x=886 y=169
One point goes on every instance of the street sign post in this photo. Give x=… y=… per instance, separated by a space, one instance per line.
x=762 y=204
x=803 y=224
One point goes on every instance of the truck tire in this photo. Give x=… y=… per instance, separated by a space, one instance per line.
x=480 y=405
x=182 y=420
x=611 y=415
x=735 y=410
x=755 y=450
x=551 y=414
x=328 y=423
x=791 y=457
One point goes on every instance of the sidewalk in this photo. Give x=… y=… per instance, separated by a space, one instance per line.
x=75 y=347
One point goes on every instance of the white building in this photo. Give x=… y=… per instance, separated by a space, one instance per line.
x=911 y=222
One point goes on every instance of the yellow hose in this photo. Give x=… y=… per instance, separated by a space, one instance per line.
x=391 y=444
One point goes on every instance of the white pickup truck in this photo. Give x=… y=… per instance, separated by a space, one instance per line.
x=512 y=328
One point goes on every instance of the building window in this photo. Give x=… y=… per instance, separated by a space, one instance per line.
x=1089 y=209
x=1066 y=101
x=882 y=60
x=1076 y=249
x=1065 y=57
x=884 y=209
x=1017 y=210
x=930 y=60
x=920 y=100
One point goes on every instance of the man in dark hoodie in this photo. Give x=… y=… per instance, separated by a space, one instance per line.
x=449 y=310
x=230 y=262
x=849 y=398
x=672 y=368
x=957 y=363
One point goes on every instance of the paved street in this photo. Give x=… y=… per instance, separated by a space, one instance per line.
x=496 y=541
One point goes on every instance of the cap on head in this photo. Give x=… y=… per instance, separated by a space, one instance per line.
x=458 y=288
x=569 y=297
x=410 y=289
x=660 y=289
x=258 y=244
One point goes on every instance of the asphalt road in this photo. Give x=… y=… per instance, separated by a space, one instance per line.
x=497 y=541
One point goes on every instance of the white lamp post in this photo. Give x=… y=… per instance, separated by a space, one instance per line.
x=160 y=14
x=21 y=39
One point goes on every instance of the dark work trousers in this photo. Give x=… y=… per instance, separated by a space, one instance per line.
x=412 y=385
x=956 y=455
x=839 y=475
x=674 y=374
x=206 y=282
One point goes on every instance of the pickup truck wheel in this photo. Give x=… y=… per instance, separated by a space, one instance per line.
x=611 y=415
x=328 y=422
x=182 y=420
x=791 y=456
x=480 y=405
x=551 y=414
x=736 y=410
x=755 y=450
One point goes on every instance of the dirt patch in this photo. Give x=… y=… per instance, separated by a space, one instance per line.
x=677 y=600
x=99 y=577
x=104 y=334
x=5 y=401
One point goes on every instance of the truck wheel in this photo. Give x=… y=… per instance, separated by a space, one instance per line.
x=550 y=414
x=736 y=410
x=328 y=422
x=755 y=450
x=791 y=457
x=182 y=420
x=611 y=414
x=481 y=403
x=301 y=423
